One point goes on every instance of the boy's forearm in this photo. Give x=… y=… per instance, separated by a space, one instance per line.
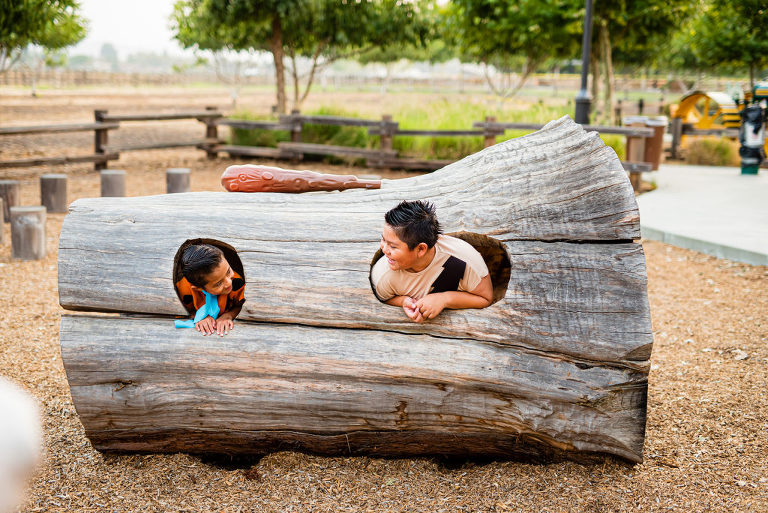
x=396 y=301
x=456 y=300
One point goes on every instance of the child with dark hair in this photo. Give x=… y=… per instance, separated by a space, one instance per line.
x=422 y=270
x=209 y=286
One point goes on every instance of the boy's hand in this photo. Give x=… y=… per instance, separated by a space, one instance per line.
x=430 y=306
x=224 y=324
x=207 y=326
x=411 y=309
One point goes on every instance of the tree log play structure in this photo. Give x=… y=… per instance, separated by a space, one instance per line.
x=556 y=367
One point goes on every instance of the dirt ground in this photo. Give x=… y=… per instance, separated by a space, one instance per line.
x=705 y=446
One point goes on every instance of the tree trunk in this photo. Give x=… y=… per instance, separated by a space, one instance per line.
x=557 y=367
x=605 y=50
x=277 y=55
x=594 y=64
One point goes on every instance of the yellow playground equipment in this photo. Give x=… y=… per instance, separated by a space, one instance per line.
x=711 y=111
x=707 y=110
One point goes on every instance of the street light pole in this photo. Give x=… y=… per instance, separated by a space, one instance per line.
x=583 y=100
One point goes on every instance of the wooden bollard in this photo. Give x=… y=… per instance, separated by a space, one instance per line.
x=112 y=182
x=53 y=192
x=28 y=233
x=489 y=138
x=177 y=179
x=9 y=192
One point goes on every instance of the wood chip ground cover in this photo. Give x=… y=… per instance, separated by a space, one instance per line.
x=705 y=444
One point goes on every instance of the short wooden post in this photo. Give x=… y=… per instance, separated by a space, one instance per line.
x=28 y=233
x=53 y=192
x=9 y=192
x=489 y=136
x=617 y=113
x=296 y=132
x=640 y=106
x=386 y=133
x=677 y=135
x=211 y=135
x=112 y=183
x=100 y=139
x=177 y=180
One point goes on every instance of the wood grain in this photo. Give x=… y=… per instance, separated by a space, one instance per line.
x=178 y=386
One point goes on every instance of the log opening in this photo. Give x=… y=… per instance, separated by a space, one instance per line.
x=493 y=253
x=230 y=253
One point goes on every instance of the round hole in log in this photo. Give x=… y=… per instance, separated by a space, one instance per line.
x=493 y=253
x=230 y=254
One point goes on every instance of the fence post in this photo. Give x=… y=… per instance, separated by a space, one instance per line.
x=296 y=132
x=489 y=136
x=177 y=180
x=9 y=192
x=53 y=192
x=28 y=233
x=100 y=139
x=617 y=113
x=677 y=135
x=112 y=183
x=2 y=221
x=661 y=105
x=385 y=137
x=211 y=135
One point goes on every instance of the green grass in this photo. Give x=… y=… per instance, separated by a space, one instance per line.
x=437 y=114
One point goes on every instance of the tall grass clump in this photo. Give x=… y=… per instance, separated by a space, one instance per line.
x=712 y=151
x=257 y=137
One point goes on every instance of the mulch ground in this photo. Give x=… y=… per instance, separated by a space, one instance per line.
x=705 y=446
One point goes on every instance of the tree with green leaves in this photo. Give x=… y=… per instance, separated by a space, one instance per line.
x=320 y=31
x=50 y=24
x=513 y=35
x=732 y=33
x=634 y=33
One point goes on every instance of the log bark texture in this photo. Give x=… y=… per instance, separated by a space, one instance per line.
x=556 y=367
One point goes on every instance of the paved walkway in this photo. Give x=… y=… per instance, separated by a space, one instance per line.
x=715 y=210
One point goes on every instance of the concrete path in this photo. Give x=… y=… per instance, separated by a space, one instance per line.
x=714 y=210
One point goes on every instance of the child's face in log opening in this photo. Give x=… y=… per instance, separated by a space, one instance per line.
x=399 y=256
x=219 y=281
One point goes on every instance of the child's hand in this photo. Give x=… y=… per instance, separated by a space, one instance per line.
x=412 y=310
x=430 y=306
x=223 y=325
x=207 y=326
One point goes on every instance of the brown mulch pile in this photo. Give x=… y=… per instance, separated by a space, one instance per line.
x=707 y=406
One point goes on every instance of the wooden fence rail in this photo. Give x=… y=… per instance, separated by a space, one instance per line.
x=383 y=156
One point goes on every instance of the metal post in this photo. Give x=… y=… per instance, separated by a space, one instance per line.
x=583 y=99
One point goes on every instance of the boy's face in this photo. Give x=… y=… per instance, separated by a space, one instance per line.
x=399 y=256
x=219 y=281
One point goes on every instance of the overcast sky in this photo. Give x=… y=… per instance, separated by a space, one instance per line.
x=130 y=25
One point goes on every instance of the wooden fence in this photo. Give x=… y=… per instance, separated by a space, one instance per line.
x=383 y=156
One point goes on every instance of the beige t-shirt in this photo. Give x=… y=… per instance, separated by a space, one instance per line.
x=456 y=266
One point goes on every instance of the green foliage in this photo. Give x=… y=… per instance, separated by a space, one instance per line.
x=513 y=34
x=640 y=30
x=317 y=29
x=712 y=151
x=51 y=24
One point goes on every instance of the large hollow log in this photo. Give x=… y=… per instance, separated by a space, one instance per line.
x=557 y=366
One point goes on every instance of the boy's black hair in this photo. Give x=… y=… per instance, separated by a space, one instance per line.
x=198 y=261
x=414 y=222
